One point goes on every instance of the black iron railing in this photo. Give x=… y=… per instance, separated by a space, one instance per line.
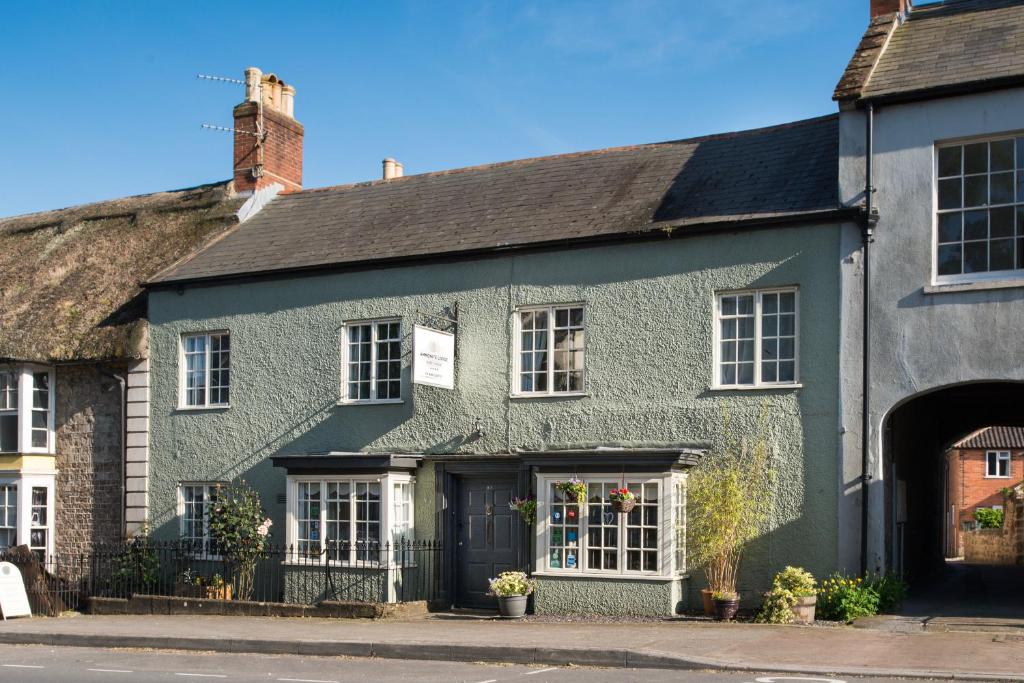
x=403 y=571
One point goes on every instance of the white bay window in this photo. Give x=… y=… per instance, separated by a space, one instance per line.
x=26 y=513
x=27 y=406
x=593 y=539
x=348 y=519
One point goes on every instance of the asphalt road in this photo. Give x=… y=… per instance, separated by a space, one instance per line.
x=43 y=664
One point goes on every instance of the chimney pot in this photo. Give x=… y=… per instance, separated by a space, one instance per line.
x=392 y=169
x=276 y=155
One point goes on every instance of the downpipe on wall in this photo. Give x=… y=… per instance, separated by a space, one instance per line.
x=868 y=222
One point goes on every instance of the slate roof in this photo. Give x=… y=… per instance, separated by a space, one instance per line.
x=993 y=437
x=951 y=46
x=786 y=171
x=69 y=279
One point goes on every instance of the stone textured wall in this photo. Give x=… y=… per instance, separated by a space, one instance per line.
x=89 y=460
x=1000 y=546
x=556 y=595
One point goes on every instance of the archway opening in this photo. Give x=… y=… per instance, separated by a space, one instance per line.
x=920 y=512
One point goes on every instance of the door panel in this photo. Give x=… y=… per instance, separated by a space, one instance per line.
x=487 y=542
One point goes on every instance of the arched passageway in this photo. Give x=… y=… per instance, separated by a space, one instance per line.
x=916 y=435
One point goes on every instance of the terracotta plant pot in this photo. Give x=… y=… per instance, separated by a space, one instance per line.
x=803 y=610
x=725 y=610
x=512 y=606
x=709 y=602
x=623 y=505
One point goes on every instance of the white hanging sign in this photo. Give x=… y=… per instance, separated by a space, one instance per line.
x=13 y=598
x=433 y=357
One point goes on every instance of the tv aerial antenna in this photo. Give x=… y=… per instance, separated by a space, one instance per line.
x=260 y=133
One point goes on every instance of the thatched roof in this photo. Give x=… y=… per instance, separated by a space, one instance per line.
x=69 y=279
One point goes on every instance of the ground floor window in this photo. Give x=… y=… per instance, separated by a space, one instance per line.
x=195 y=503
x=347 y=519
x=26 y=513
x=594 y=539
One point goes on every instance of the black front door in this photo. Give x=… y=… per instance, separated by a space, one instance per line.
x=486 y=542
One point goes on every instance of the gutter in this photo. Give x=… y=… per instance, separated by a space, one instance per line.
x=662 y=230
x=940 y=91
x=868 y=221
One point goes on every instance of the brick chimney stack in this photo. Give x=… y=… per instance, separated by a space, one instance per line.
x=268 y=139
x=880 y=7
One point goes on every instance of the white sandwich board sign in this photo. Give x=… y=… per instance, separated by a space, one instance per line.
x=13 y=598
x=433 y=357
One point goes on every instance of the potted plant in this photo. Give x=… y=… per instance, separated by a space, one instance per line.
x=729 y=501
x=240 y=530
x=574 y=490
x=526 y=507
x=622 y=500
x=792 y=598
x=512 y=589
x=727 y=603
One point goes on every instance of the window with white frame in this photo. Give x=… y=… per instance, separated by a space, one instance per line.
x=206 y=370
x=598 y=540
x=997 y=464
x=980 y=208
x=344 y=518
x=8 y=516
x=550 y=350
x=756 y=338
x=373 y=361
x=39 y=530
x=26 y=410
x=195 y=503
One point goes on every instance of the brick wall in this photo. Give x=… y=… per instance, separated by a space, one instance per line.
x=970 y=489
x=282 y=149
x=89 y=476
x=1000 y=546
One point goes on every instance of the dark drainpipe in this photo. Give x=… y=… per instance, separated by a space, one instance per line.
x=869 y=219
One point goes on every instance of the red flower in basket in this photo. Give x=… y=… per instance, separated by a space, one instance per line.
x=622 y=499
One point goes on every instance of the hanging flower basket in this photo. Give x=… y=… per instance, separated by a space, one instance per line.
x=622 y=500
x=574 y=490
x=526 y=507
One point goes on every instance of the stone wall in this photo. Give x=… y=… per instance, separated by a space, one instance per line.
x=1000 y=546
x=89 y=476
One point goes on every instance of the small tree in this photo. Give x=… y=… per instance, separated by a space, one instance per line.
x=988 y=518
x=240 y=530
x=730 y=497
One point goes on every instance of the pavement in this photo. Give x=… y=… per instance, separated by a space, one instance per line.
x=667 y=644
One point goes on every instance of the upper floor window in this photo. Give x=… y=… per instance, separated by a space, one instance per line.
x=206 y=369
x=26 y=410
x=980 y=203
x=373 y=361
x=997 y=464
x=550 y=348
x=756 y=338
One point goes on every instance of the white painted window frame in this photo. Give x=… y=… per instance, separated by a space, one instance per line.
x=999 y=457
x=25 y=482
x=26 y=386
x=666 y=533
x=373 y=400
x=517 y=355
x=207 y=541
x=758 y=294
x=967 y=278
x=387 y=483
x=183 y=371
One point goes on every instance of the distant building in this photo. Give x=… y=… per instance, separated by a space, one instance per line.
x=978 y=468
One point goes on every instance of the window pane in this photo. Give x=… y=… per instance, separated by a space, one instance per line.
x=949 y=193
x=976 y=225
x=1001 y=222
x=9 y=432
x=950 y=227
x=1001 y=255
x=976 y=157
x=1001 y=188
x=976 y=190
x=745 y=373
x=949 y=161
x=975 y=257
x=787 y=371
x=1001 y=158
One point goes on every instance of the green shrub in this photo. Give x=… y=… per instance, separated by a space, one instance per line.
x=988 y=518
x=891 y=590
x=842 y=598
x=788 y=585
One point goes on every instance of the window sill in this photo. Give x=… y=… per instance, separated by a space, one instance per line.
x=995 y=476
x=560 y=394
x=973 y=286
x=615 y=577
x=201 y=409
x=368 y=564
x=384 y=402
x=760 y=387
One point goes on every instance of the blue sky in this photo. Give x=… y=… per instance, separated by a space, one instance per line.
x=103 y=101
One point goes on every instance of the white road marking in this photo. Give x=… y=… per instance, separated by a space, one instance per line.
x=112 y=671
x=203 y=675
x=538 y=671
x=305 y=680
x=489 y=680
x=23 y=666
x=776 y=679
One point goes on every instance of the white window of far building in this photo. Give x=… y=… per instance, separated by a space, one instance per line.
x=997 y=464
x=8 y=516
x=550 y=348
x=593 y=539
x=26 y=513
x=27 y=404
x=372 y=367
x=195 y=503
x=348 y=519
x=979 y=230
x=206 y=370
x=756 y=339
